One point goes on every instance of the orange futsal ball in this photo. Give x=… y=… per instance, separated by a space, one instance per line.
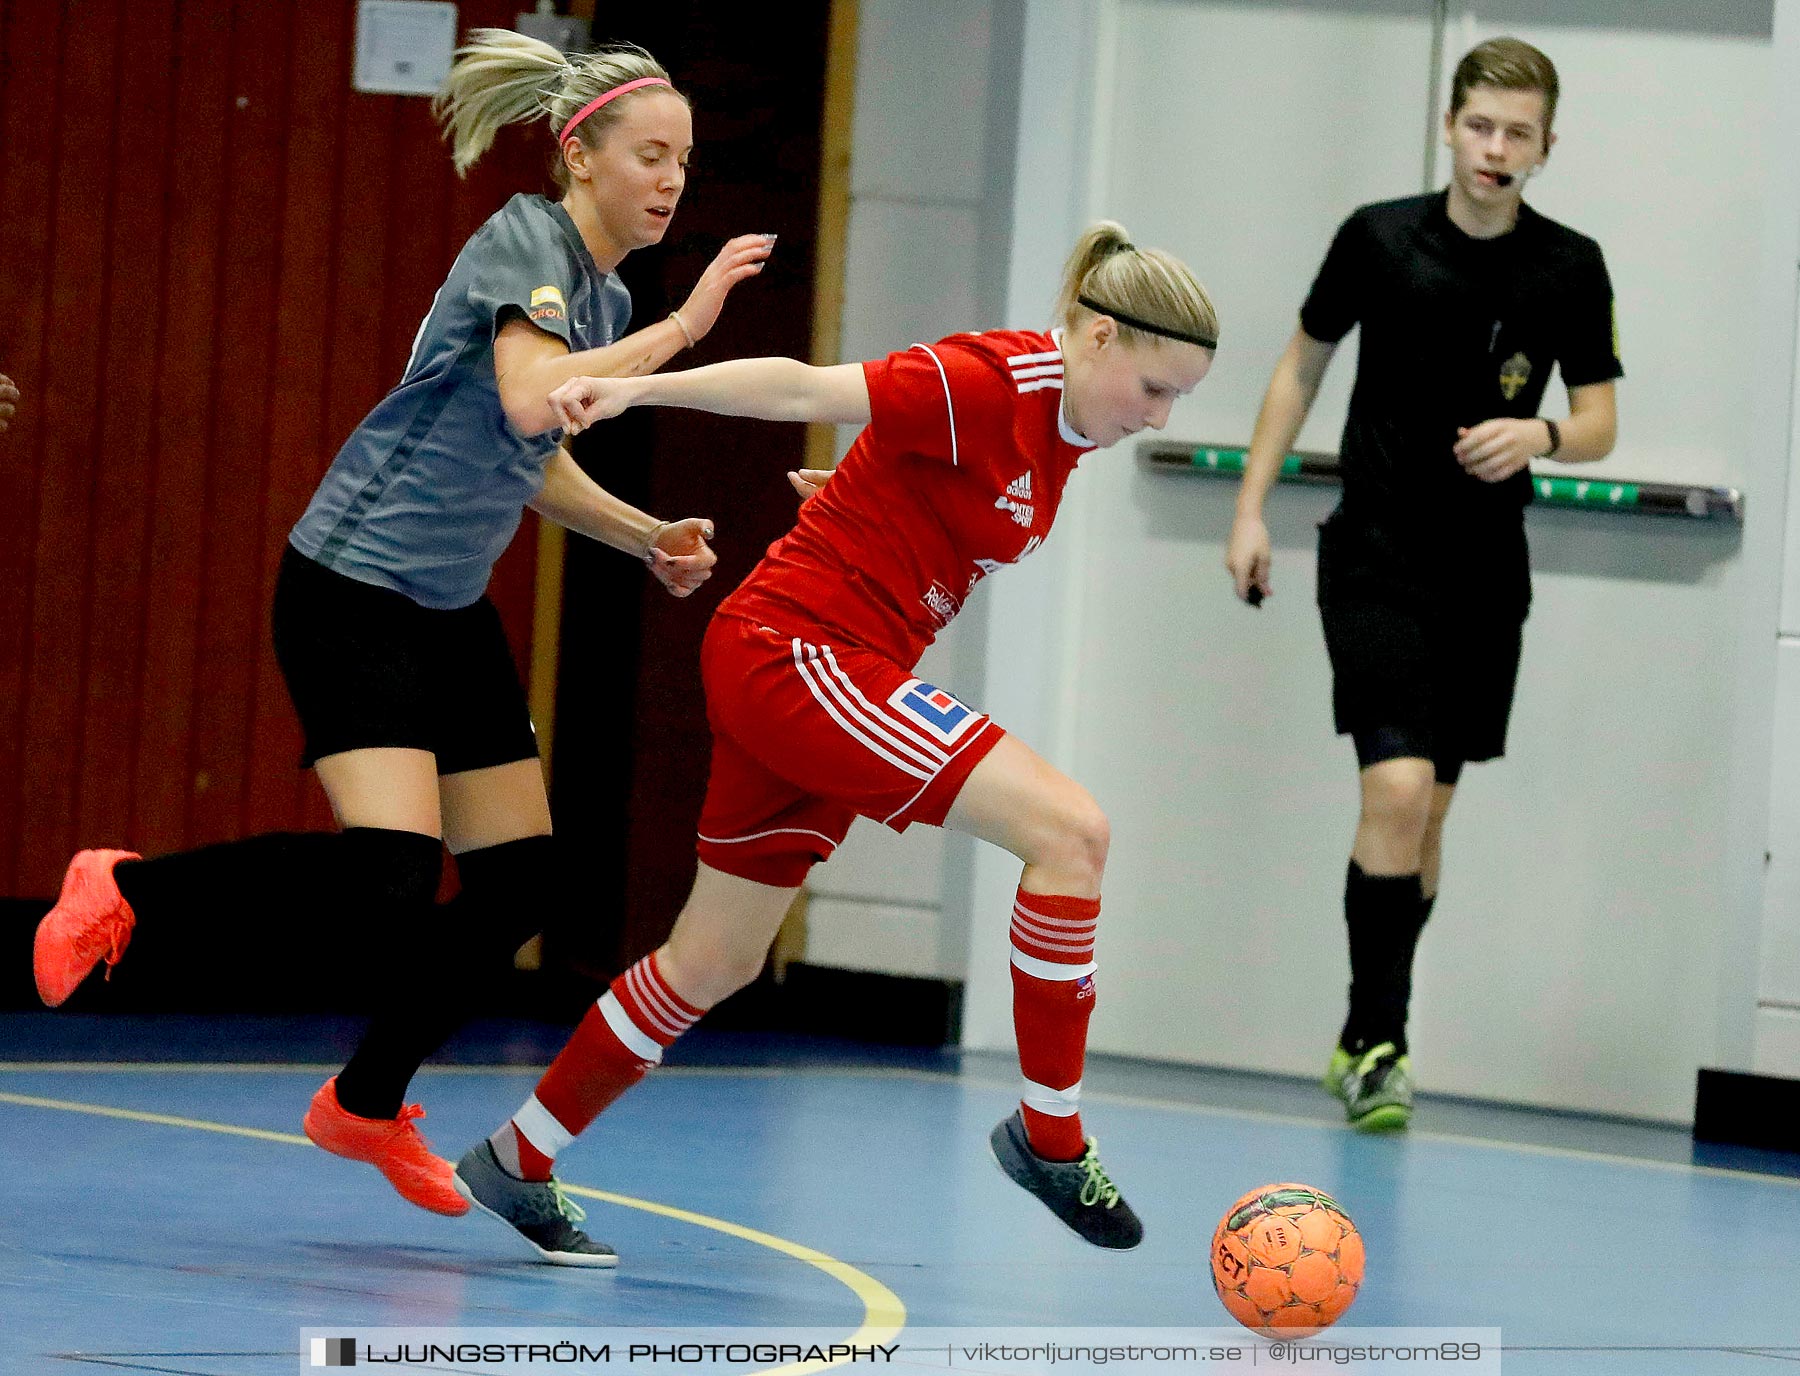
x=1286 y=1261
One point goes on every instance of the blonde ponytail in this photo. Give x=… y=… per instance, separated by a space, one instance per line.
x=1149 y=293
x=501 y=77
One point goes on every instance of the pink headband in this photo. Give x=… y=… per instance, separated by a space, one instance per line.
x=605 y=96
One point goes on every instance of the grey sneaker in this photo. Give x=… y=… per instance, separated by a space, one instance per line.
x=1077 y=1192
x=538 y=1212
x=1378 y=1091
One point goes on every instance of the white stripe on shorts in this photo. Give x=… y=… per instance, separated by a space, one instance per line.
x=813 y=674
x=905 y=732
x=961 y=746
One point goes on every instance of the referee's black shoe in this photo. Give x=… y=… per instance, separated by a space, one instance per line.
x=1077 y=1192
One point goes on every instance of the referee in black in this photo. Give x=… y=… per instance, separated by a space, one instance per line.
x=1466 y=298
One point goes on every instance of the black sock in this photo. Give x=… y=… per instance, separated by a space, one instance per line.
x=251 y=901
x=1384 y=914
x=507 y=893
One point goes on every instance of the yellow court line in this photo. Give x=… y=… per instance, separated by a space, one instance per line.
x=884 y=1314
x=166 y=1120
x=1097 y=1096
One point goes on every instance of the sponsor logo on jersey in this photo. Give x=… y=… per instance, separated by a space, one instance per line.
x=1017 y=500
x=939 y=602
x=939 y=713
x=547 y=303
x=1514 y=374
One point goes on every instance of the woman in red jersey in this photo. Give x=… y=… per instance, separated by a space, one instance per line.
x=818 y=718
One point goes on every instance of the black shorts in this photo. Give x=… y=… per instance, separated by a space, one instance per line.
x=1428 y=645
x=368 y=667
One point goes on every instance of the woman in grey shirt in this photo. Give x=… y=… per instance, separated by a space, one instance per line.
x=412 y=709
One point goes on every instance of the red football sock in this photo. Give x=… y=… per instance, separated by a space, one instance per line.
x=618 y=1042
x=1053 y=996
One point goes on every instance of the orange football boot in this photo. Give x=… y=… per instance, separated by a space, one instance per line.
x=91 y=922
x=392 y=1145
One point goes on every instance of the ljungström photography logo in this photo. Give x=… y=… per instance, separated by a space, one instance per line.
x=334 y=1351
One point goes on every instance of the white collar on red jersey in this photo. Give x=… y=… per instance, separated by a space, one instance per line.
x=1069 y=433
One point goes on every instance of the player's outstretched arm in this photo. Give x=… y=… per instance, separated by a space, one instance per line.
x=528 y=362
x=760 y=388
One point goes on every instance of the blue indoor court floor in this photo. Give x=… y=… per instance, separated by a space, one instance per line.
x=165 y=1215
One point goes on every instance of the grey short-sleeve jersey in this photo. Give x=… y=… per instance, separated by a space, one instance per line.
x=430 y=487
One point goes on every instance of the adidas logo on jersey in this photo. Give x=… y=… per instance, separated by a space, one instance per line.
x=1034 y=372
x=1017 y=500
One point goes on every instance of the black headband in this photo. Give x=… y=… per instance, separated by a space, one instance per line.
x=1146 y=326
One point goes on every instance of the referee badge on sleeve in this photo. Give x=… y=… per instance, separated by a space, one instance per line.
x=1514 y=374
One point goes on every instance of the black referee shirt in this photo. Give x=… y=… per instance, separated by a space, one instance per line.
x=1455 y=330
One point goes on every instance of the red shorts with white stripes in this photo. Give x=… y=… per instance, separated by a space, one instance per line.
x=807 y=736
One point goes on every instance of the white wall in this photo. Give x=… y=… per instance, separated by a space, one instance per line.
x=931 y=192
x=1776 y=1035
x=1601 y=896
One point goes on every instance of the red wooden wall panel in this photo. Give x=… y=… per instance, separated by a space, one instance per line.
x=28 y=91
x=74 y=291
x=318 y=90
x=125 y=399
x=232 y=625
x=216 y=255
x=178 y=456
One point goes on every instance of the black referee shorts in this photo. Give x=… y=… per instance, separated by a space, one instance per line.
x=1426 y=646
x=367 y=666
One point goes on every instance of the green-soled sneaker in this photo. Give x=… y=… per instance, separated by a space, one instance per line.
x=1338 y=1073
x=1378 y=1091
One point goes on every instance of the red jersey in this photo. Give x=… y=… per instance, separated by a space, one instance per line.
x=959 y=472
